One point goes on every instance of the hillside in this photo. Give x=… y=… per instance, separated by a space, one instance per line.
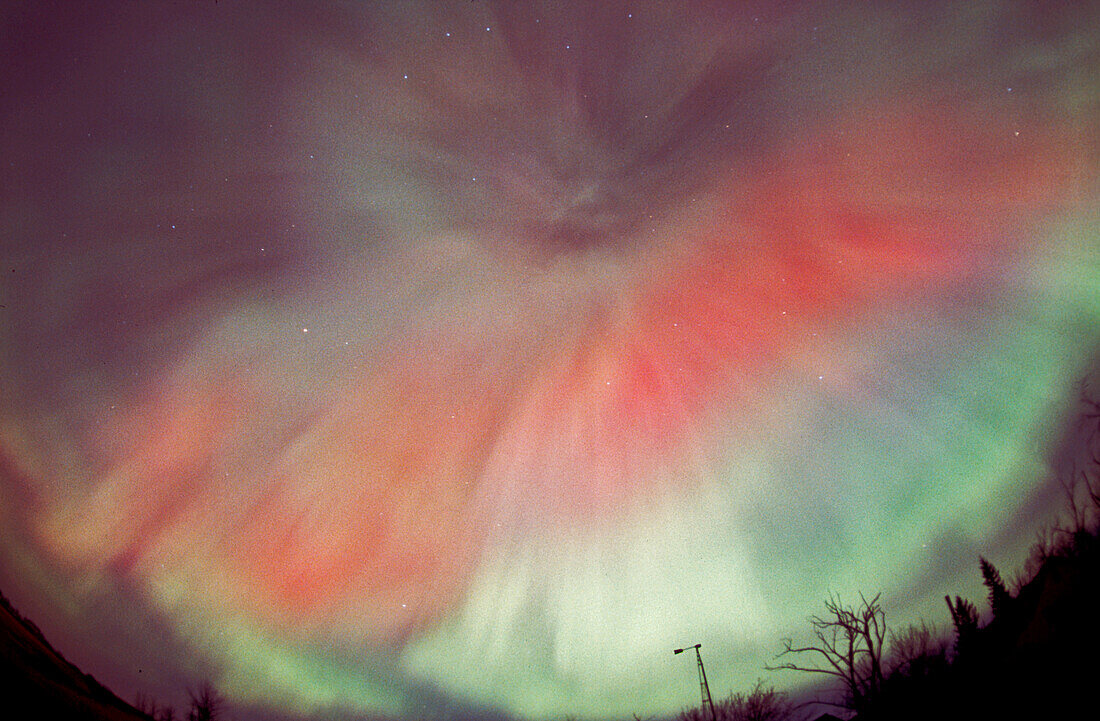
x=37 y=682
x=1035 y=660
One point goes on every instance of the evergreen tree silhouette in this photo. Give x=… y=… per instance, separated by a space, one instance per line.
x=965 y=618
x=999 y=597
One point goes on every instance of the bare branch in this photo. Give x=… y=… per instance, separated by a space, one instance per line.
x=849 y=647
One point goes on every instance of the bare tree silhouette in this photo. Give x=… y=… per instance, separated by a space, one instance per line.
x=849 y=644
x=148 y=706
x=206 y=703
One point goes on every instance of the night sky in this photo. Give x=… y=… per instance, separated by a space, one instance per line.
x=415 y=359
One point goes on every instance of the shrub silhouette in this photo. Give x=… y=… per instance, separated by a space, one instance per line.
x=762 y=703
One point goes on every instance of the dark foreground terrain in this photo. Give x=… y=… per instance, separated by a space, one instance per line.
x=37 y=682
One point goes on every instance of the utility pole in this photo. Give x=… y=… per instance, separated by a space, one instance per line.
x=704 y=687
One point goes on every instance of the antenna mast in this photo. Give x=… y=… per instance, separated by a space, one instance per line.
x=704 y=687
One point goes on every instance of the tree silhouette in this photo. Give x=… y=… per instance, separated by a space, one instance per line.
x=999 y=597
x=148 y=706
x=849 y=642
x=206 y=703
x=965 y=618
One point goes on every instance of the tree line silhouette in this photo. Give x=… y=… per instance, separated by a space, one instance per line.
x=206 y=704
x=1034 y=658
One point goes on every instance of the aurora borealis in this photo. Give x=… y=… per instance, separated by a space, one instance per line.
x=416 y=360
